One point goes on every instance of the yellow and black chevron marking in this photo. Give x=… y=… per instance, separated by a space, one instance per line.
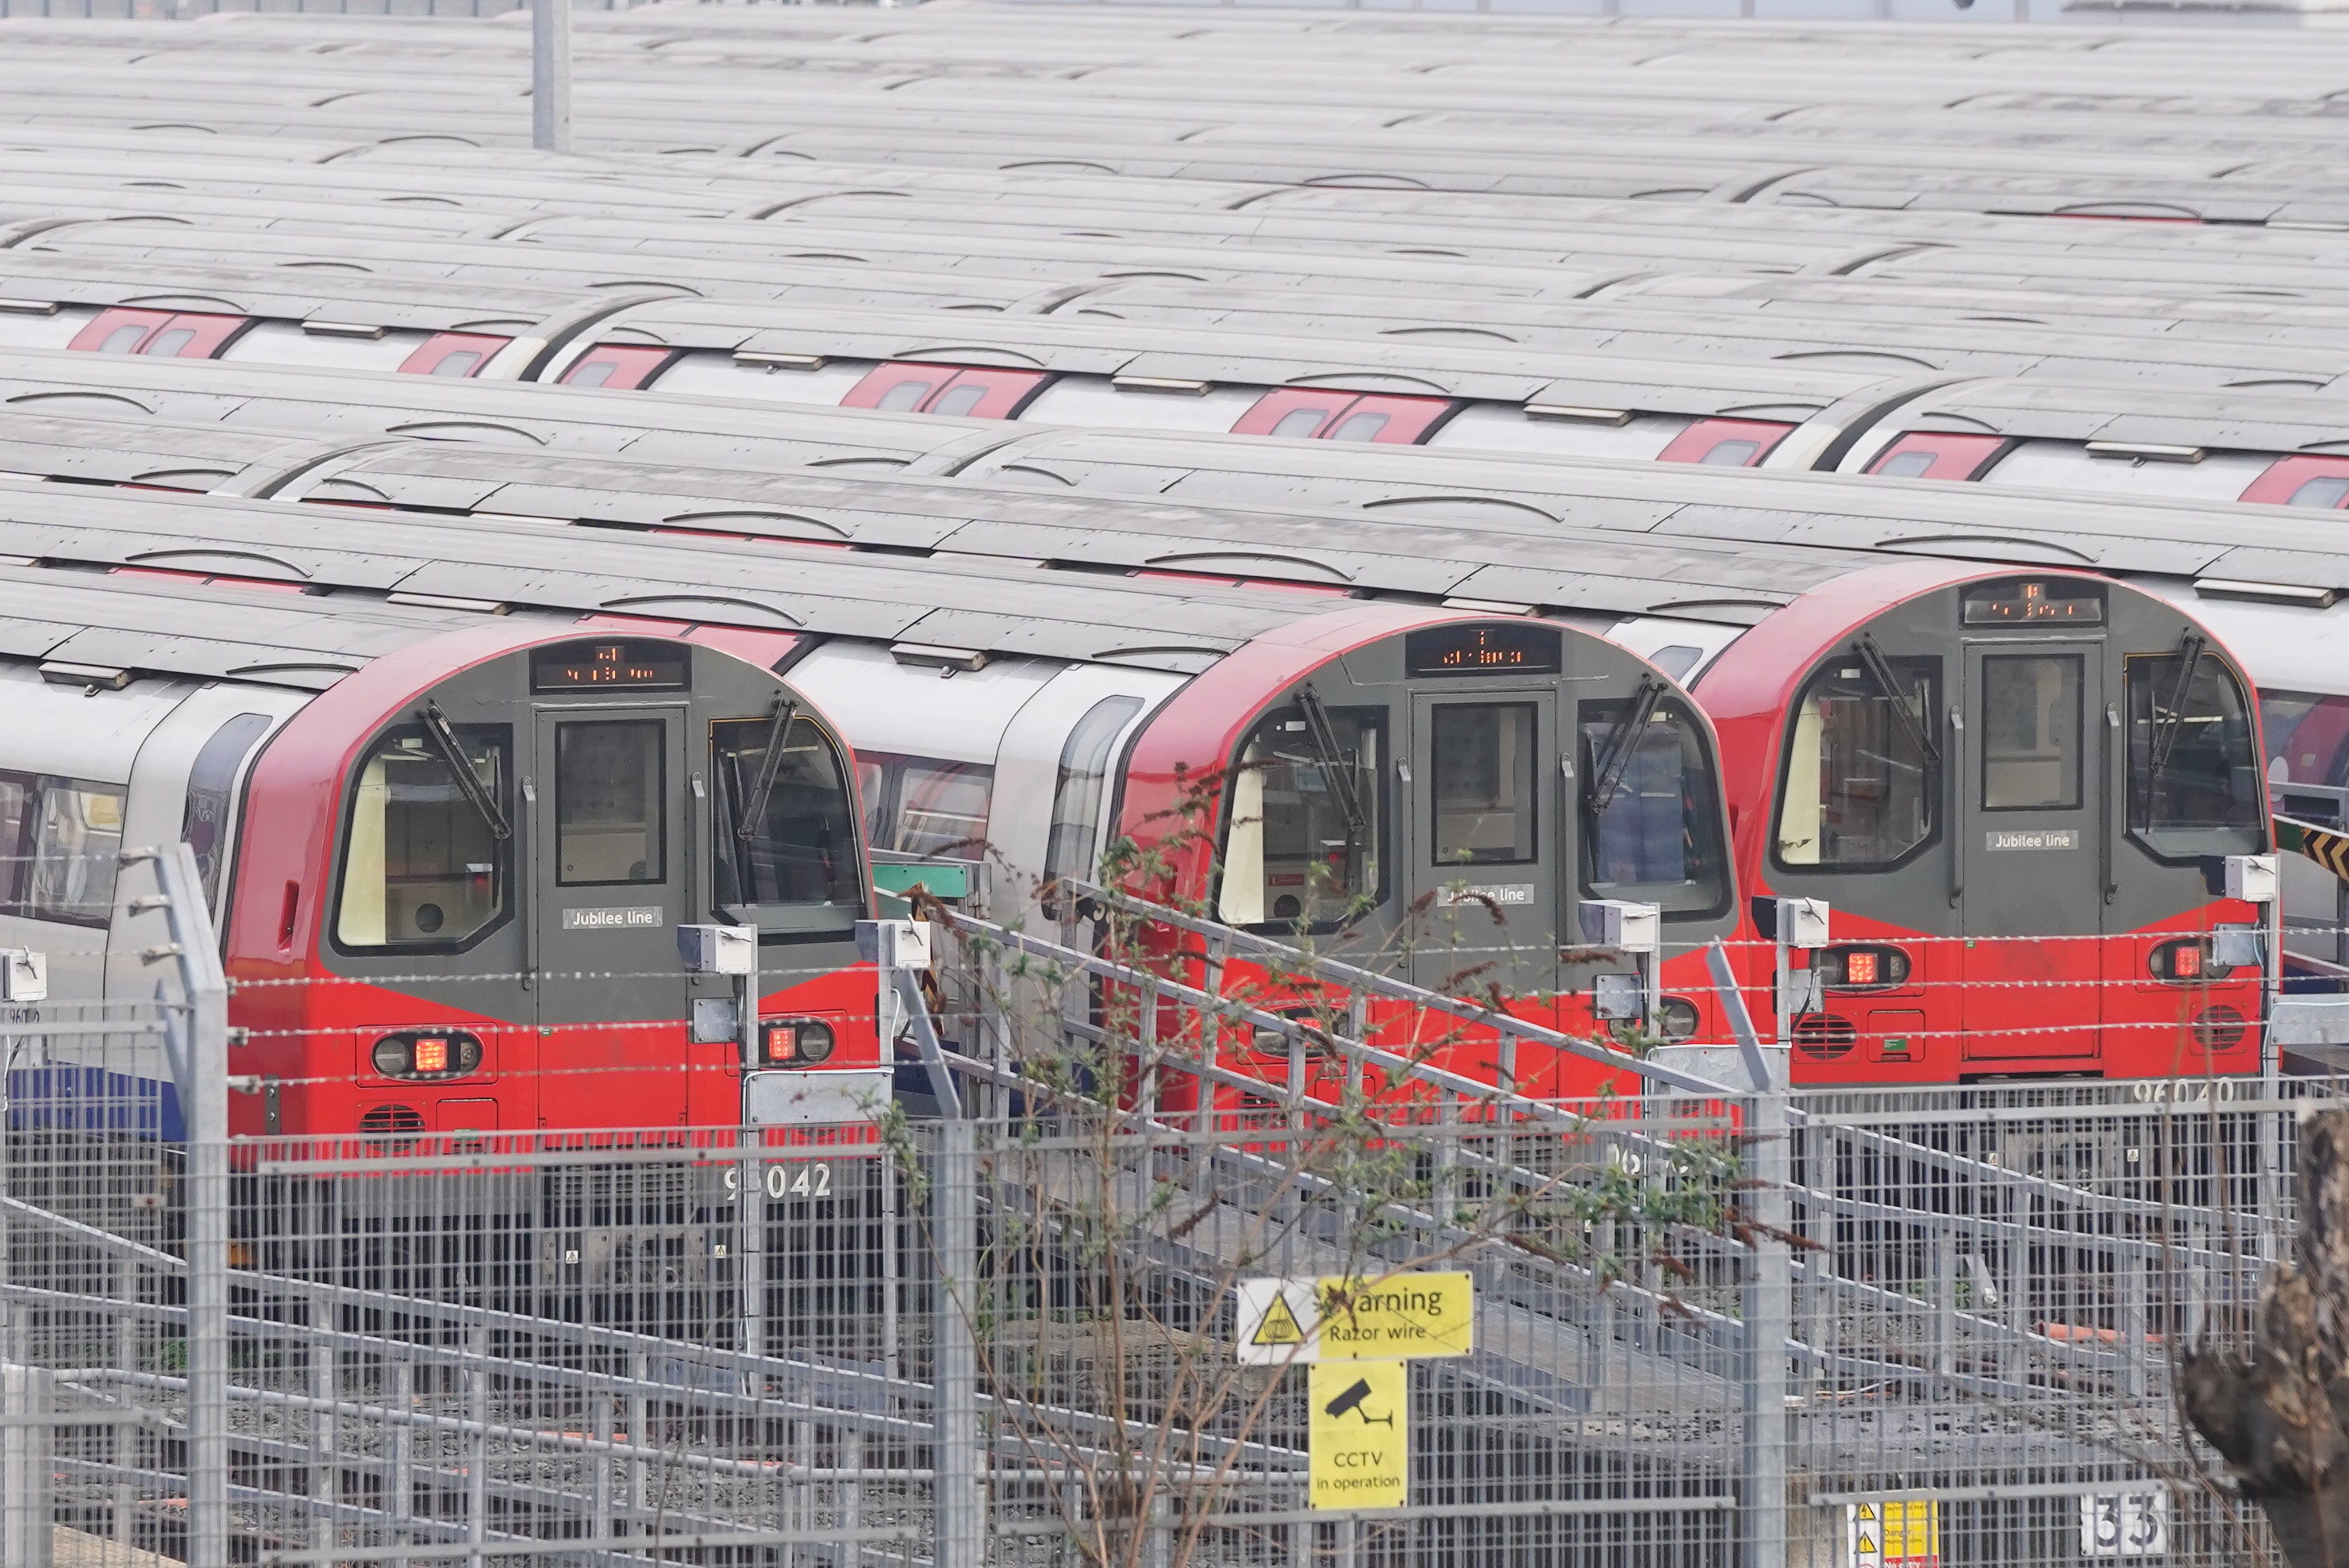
x=2326 y=848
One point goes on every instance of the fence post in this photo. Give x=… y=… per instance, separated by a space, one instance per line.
x=955 y=1502
x=1769 y=1305
x=899 y=951
x=25 y=1466
x=204 y=1100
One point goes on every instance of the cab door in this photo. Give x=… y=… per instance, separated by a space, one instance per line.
x=2032 y=797
x=612 y=877
x=1486 y=842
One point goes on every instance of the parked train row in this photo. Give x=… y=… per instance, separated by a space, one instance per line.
x=1869 y=752
x=723 y=528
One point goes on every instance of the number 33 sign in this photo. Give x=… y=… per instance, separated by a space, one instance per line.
x=2116 y=1524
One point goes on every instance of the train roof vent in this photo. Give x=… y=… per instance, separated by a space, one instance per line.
x=2310 y=597
x=92 y=678
x=2146 y=451
x=932 y=655
x=29 y=306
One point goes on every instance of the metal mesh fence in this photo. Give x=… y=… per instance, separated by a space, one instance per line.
x=1006 y=1321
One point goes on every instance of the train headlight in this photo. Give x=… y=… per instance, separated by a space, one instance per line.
x=1676 y=1019
x=2188 y=959
x=1872 y=969
x=794 y=1042
x=427 y=1053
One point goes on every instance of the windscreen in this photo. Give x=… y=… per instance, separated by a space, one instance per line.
x=2195 y=780
x=783 y=826
x=424 y=866
x=1304 y=841
x=1652 y=816
x=1862 y=785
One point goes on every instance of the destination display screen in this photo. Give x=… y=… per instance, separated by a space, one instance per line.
x=2035 y=600
x=613 y=665
x=1510 y=648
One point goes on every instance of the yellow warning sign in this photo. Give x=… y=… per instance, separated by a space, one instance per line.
x=1402 y=1314
x=1279 y=1325
x=1893 y=1532
x=1360 y=1432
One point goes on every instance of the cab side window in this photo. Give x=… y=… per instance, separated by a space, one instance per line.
x=59 y=842
x=428 y=858
x=2195 y=782
x=1305 y=841
x=784 y=831
x=1862 y=787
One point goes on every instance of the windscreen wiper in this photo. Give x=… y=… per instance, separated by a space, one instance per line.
x=1880 y=670
x=1611 y=758
x=1340 y=775
x=469 y=783
x=771 y=762
x=2168 y=722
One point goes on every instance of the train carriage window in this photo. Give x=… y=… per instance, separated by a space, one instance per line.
x=1077 y=794
x=1306 y=839
x=2031 y=732
x=610 y=790
x=801 y=844
x=967 y=392
x=1301 y=413
x=1861 y=786
x=1724 y=443
x=925 y=805
x=76 y=843
x=212 y=797
x=1482 y=797
x=1932 y=455
x=2310 y=481
x=118 y=331
x=15 y=813
x=424 y=865
x=452 y=354
x=618 y=366
x=159 y=335
x=2195 y=783
x=1656 y=838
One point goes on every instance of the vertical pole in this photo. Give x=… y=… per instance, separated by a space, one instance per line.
x=204 y=1101
x=477 y=1444
x=961 y=1531
x=1769 y=1313
x=751 y=1243
x=550 y=75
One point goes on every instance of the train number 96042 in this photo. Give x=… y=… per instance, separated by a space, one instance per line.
x=804 y=1178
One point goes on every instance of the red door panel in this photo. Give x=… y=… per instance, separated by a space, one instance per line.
x=166 y=335
x=119 y=331
x=903 y=388
x=971 y=393
x=2303 y=481
x=1724 y=443
x=985 y=394
x=1296 y=412
x=618 y=366
x=1920 y=455
x=452 y=354
x=1305 y=413
x=1390 y=421
x=206 y=335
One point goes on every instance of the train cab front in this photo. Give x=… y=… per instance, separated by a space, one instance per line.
x=2018 y=798
x=458 y=908
x=1515 y=813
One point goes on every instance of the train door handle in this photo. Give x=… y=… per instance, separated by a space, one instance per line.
x=1955 y=784
x=2105 y=838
